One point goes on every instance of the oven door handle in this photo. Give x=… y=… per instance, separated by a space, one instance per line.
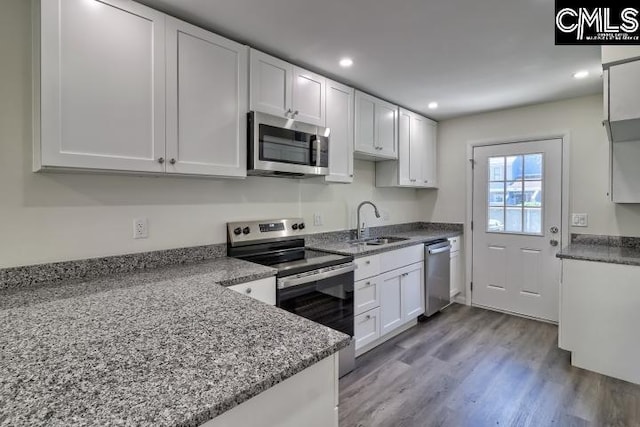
x=287 y=282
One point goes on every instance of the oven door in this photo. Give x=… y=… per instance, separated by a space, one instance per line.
x=325 y=300
x=284 y=146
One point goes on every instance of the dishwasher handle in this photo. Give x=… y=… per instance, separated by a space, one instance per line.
x=439 y=248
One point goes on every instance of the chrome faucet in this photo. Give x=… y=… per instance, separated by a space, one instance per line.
x=361 y=227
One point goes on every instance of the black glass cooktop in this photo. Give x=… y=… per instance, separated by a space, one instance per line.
x=294 y=261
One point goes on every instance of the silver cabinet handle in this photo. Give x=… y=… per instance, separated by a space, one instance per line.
x=172 y=161
x=161 y=160
x=366 y=285
x=248 y=291
x=367 y=262
x=367 y=317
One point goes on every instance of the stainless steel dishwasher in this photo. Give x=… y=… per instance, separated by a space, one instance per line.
x=437 y=273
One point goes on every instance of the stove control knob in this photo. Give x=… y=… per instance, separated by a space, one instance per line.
x=294 y=226
x=246 y=230
x=301 y=226
x=237 y=231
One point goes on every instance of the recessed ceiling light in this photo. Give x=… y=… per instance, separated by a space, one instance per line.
x=581 y=74
x=346 y=62
x=433 y=105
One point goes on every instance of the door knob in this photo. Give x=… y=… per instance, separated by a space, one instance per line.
x=553 y=242
x=554 y=229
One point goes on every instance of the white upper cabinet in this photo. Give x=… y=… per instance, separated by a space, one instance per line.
x=102 y=86
x=284 y=90
x=416 y=164
x=339 y=112
x=206 y=102
x=270 y=90
x=376 y=128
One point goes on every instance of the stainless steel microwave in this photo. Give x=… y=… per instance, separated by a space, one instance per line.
x=283 y=147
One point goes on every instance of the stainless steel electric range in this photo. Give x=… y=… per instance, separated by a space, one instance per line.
x=312 y=284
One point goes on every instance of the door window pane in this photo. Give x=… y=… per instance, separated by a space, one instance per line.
x=496 y=168
x=496 y=219
x=515 y=190
x=514 y=220
x=496 y=194
x=533 y=220
x=533 y=166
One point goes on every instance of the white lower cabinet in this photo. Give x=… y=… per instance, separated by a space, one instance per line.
x=367 y=327
x=263 y=290
x=390 y=300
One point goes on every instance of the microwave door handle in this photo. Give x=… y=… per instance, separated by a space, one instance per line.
x=316 y=148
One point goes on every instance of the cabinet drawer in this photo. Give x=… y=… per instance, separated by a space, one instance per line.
x=455 y=243
x=401 y=257
x=367 y=267
x=263 y=290
x=367 y=294
x=367 y=327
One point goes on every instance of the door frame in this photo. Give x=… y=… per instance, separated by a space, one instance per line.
x=565 y=137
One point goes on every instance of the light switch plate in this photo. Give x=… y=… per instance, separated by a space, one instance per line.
x=579 y=220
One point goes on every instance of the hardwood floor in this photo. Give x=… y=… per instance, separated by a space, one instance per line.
x=473 y=367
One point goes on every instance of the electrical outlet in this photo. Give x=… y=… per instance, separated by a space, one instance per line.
x=579 y=220
x=140 y=228
x=317 y=219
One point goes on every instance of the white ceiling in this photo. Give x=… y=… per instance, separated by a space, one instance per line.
x=469 y=56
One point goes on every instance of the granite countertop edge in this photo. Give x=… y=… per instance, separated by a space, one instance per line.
x=600 y=253
x=255 y=389
x=417 y=237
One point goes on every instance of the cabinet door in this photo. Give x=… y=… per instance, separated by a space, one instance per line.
x=386 y=129
x=416 y=150
x=429 y=155
x=206 y=102
x=404 y=142
x=412 y=279
x=102 y=90
x=367 y=295
x=624 y=86
x=339 y=114
x=365 y=126
x=308 y=102
x=270 y=84
x=456 y=274
x=367 y=327
x=391 y=314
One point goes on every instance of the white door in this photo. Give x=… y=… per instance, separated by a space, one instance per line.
x=308 y=102
x=412 y=291
x=103 y=85
x=386 y=129
x=365 y=125
x=516 y=227
x=339 y=112
x=391 y=315
x=206 y=102
x=429 y=166
x=270 y=89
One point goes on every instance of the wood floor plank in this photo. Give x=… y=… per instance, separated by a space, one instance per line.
x=473 y=367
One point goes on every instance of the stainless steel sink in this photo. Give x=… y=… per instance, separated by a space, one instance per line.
x=379 y=241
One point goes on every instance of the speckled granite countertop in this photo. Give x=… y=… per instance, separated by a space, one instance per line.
x=165 y=347
x=601 y=253
x=414 y=237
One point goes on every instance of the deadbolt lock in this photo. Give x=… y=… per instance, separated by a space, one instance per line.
x=554 y=229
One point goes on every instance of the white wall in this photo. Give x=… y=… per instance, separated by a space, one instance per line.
x=54 y=217
x=589 y=158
